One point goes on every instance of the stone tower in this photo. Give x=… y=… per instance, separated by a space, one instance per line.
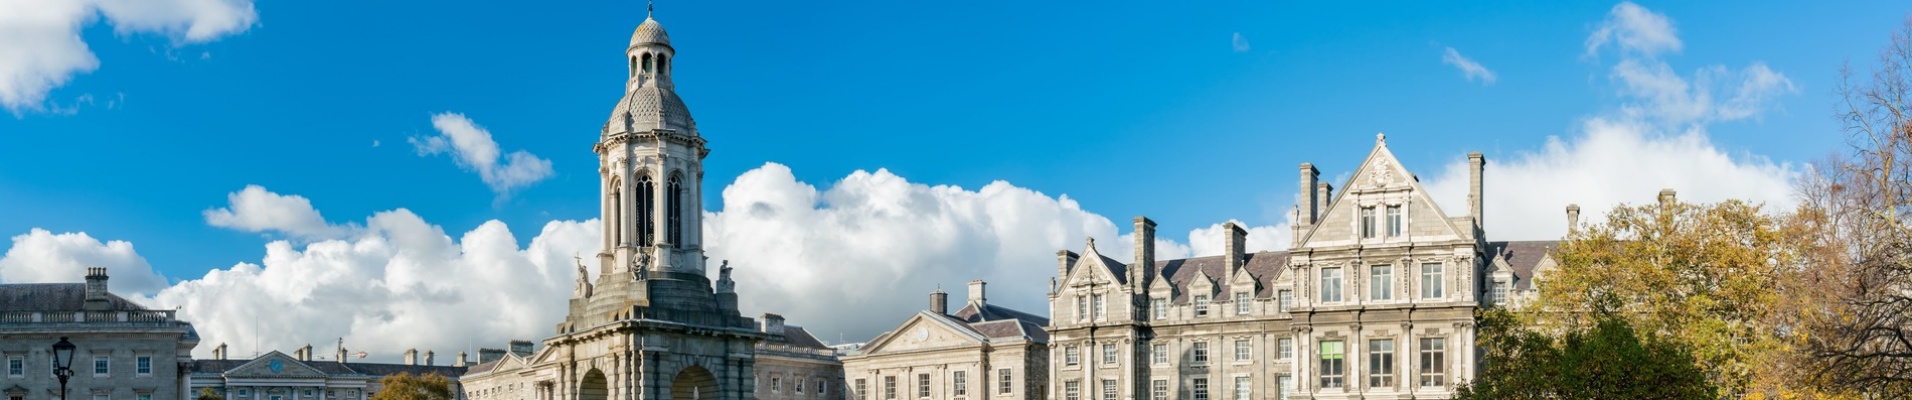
x=650 y=323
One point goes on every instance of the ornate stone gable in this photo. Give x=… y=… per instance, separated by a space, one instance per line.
x=1093 y=269
x=275 y=365
x=1379 y=183
x=925 y=331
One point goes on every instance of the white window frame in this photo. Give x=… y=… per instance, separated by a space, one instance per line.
x=1199 y=387
x=1242 y=302
x=922 y=386
x=1500 y=293
x=889 y=387
x=862 y=389
x=1101 y=308
x=1287 y=298
x=960 y=381
x=1198 y=352
x=1160 y=307
x=1368 y=228
x=144 y=366
x=1243 y=350
x=1433 y=280
x=1072 y=390
x=1287 y=348
x=776 y=384
x=1244 y=387
x=1380 y=363
x=1159 y=389
x=1082 y=308
x=1071 y=356
x=16 y=367
x=796 y=385
x=1381 y=282
x=1108 y=389
x=1109 y=354
x=1006 y=377
x=1333 y=370
x=102 y=366
x=1201 y=306
x=1158 y=354
x=1433 y=362
x=1331 y=285
x=1396 y=226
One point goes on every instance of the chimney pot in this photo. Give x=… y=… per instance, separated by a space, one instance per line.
x=219 y=352
x=1668 y=197
x=773 y=324
x=1573 y=217
x=428 y=357
x=461 y=360
x=976 y=292
x=411 y=356
x=96 y=298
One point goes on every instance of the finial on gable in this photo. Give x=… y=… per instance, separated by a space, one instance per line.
x=1091 y=243
x=1380 y=139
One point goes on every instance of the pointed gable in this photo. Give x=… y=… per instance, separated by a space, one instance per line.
x=1381 y=182
x=275 y=365
x=925 y=330
x=1100 y=268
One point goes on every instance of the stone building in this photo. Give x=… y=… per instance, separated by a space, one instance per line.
x=792 y=364
x=125 y=351
x=982 y=351
x=277 y=376
x=651 y=324
x=1374 y=299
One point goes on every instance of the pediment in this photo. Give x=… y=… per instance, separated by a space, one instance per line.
x=1201 y=283
x=925 y=331
x=1091 y=268
x=275 y=365
x=1381 y=179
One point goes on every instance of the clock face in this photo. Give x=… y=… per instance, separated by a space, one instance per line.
x=922 y=334
x=276 y=365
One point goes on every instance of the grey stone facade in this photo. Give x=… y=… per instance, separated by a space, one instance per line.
x=980 y=352
x=793 y=365
x=125 y=351
x=1374 y=299
x=277 y=376
x=651 y=324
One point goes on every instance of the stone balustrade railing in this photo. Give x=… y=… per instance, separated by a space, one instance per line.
x=71 y=317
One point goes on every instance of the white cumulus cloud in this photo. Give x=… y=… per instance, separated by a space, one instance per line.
x=1472 y=70
x=42 y=49
x=1239 y=42
x=40 y=256
x=474 y=150
x=255 y=209
x=1656 y=138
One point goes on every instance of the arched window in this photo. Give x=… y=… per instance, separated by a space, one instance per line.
x=617 y=213
x=675 y=205
x=646 y=210
x=633 y=66
x=663 y=64
x=647 y=62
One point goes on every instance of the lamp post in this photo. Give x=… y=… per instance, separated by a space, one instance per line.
x=63 y=363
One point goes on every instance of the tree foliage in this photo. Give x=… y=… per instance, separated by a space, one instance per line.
x=1709 y=277
x=206 y=393
x=405 y=386
x=1858 y=322
x=1608 y=360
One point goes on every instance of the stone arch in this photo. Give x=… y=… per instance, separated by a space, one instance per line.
x=649 y=63
x=594 y=386
x=694 y=383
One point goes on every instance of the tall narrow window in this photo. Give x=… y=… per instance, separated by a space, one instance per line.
x=1381 y=363
x=1330 y=284
x=1200 y=388
x=675 y=206
x=1287 y=348
x=100 y=366
x=1500 y=293
x=1243 y=388
x=634 y=66
x=798 y=389
x=1158 y=354
x=1072 y=390
x=1101 y=309
x=1367 y=223
x=1433 y=362
x=1108 y=389
x=922 y=385
x=1082 y=308
x=16 y=367
x=1394 y=221
x=1381 y=282
x=961 y=382
x=617 y=209
x=862 y=389
x=646 y=211
x=1071 y=356
x=1160 y=389
x=663 y=64
x=1242 y=303
x=1003 y=381
x=648 y=63
x=889 y=387
x=1199 y=351
x=1108 y=353
x=1432 y=281
x=1243 y=351
x=1160 y=306
x=1201 y=306
x=1333 y=363
x=1283 y=386
x=144 y=365
x=1287 y=299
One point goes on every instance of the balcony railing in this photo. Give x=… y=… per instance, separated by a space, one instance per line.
x=87 y=317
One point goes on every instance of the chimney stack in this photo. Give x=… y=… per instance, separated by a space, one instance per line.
x=341 y=350
x=1143 y=268
x=429 y=360
x=304 y=353
x=219 y=352
x=521 y=348
x=977 y=294
x=461 y=360
x=411 y=356
x=1573 y=218
x=1064 y=260
x=1325 y=193
x=773 y=324
x=1234 y=250
x=1310 y=201
x=489 y=355
x=1668 y=197
x=96 y=299
x=939 y=302
x=1476 y=165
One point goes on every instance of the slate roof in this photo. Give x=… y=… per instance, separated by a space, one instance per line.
x=1265 y=266
x=482 y=367
x=1522 y=257
x=337 y=368
x=54 y=297
x=991 y=312
x=799 y=337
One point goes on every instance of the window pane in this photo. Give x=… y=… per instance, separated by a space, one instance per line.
x=1381 y=282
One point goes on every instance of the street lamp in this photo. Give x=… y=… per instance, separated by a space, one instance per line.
x=63 y=363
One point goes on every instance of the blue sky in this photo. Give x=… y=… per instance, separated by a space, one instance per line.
x=1192 y=114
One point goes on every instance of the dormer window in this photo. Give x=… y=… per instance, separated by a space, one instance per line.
x=1201 y=306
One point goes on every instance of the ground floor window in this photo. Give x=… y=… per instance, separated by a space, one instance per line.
x=1433 y=362
x=1160 y=389
x=1072 y=390
x=1243 y=388
x=1200 y=388
x=1333 y=364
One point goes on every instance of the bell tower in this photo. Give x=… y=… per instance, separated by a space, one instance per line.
x=650 y=161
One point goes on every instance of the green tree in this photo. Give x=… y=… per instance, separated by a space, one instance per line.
x=405 y=386
x=1608 y=360
x=206 y=393
x=1711 y=278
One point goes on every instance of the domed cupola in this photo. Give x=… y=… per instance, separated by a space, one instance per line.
x=650 y=100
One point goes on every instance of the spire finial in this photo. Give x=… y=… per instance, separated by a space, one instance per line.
x=650 y=6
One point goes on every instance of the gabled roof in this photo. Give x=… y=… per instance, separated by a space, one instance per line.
x=1379 y=168
x=991 y=312
x=54 y=297
x=1522 y=257
x=797 y=336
